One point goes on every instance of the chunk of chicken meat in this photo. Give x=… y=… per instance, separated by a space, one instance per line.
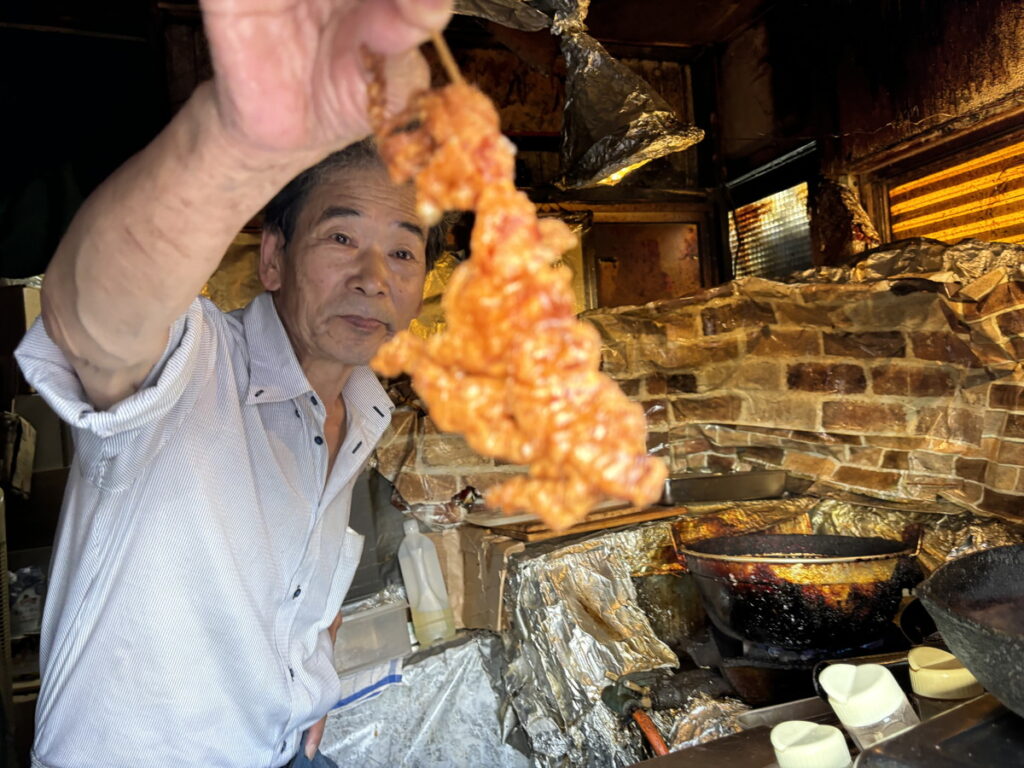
x=513 y=371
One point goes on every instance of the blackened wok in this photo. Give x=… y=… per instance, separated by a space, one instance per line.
x=977 y=602
x=802 y=591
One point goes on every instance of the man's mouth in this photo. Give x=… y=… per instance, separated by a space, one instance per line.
x=367 y=324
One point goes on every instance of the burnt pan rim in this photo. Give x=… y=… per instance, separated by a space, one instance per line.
x=803 y=548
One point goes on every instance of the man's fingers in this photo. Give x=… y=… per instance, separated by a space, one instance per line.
x=427 y=14
x=314 y=736
x=394 y=26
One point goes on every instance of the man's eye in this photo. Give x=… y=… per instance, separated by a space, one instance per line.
x=405 y=255
x=341 y=238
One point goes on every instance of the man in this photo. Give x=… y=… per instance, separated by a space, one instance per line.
x=203 y=549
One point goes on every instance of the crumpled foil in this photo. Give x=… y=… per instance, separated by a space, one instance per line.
x=981 y=285
x=705 y=719
x=840 y=227
x=391 y=594
x=573 y=617
x=448 y=711
x=509 y=13
x=943 y=536
x=614 y=121
x=965 y=262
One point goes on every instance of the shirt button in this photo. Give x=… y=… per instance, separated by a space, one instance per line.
x=297 y=415
x=291 y=672
x=312 y=400
x=296 y=593
x=318 y=440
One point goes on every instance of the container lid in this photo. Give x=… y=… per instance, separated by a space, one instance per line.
x=801 y=744
x=938 y=674
x=861 y=694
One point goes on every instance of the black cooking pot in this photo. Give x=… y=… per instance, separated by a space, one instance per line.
x=977 y=602
x=800 y=591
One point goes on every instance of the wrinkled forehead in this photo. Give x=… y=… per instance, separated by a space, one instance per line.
x=366 y=188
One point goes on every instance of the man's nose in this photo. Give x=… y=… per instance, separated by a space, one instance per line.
x=370 y=277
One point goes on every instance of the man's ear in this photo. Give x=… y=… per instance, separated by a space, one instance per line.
x=272 y=259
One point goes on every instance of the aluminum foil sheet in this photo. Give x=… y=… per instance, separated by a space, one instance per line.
x=979 y=283
x=614 y=121
x=965 y=262
x=391 y=594
x=944 y=536
x=509 y=13
x=448 y=711
x=573 y=617
x=704 y=719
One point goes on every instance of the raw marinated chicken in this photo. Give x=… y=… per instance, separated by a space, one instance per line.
x=514 y=371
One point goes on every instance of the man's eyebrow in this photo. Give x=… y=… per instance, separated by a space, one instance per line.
x=341 y=211
x=414 y=228
x=337 y=211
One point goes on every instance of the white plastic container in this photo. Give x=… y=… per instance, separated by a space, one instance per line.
x=868 y=701
x=372 y=636
x=939 y=681
x=802 y=744
x=432 y=618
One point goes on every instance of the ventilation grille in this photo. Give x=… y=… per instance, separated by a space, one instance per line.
x=982 y=198
x=771 y=237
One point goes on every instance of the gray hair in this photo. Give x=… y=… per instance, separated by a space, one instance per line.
x=282 y=213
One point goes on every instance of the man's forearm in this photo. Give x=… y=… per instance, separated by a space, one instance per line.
x=146 y=241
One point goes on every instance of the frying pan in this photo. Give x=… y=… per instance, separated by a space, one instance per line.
x=802 y=591
x=977 y=602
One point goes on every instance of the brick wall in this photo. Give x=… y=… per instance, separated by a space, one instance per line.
x=857 y=386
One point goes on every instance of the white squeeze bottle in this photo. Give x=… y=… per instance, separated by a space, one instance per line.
x=421 y=571
x=868 y=700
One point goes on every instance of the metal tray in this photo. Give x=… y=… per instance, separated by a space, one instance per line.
x=740 y=486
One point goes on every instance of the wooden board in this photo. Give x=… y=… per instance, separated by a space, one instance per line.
x=535 y=530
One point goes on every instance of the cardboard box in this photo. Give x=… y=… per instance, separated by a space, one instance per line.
x=475 y=563
x=17 y=454
x=54 y=444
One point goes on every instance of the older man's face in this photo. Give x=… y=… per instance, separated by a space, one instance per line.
x=352 y=274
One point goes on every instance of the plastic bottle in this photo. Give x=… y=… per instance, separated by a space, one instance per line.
x=802 y=744
x=939 y=681
x=868 y=701
x=432 y=619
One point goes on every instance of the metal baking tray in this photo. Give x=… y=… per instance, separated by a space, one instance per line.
x=739 y=486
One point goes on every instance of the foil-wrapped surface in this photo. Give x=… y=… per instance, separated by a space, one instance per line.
x=448 y=711
x=942 y=535
x=981 y=285
x=964 y=263
x=573 y=617
x=705 y=719
x=391 y=594
x=509 y=13
x=614 y=121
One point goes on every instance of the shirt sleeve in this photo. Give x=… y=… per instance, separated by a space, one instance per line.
x=112 y=445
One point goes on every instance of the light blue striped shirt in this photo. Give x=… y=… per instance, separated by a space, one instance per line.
x=202 y=551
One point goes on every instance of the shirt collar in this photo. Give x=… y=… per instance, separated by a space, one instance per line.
x=275 y=374
x=274 y=371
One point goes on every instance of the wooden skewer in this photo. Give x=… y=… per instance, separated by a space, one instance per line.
x=447 y=60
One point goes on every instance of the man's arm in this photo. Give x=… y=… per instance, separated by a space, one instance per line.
x=288 y=89
x=143 y=244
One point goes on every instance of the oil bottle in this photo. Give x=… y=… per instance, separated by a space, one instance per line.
x=432 y=619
